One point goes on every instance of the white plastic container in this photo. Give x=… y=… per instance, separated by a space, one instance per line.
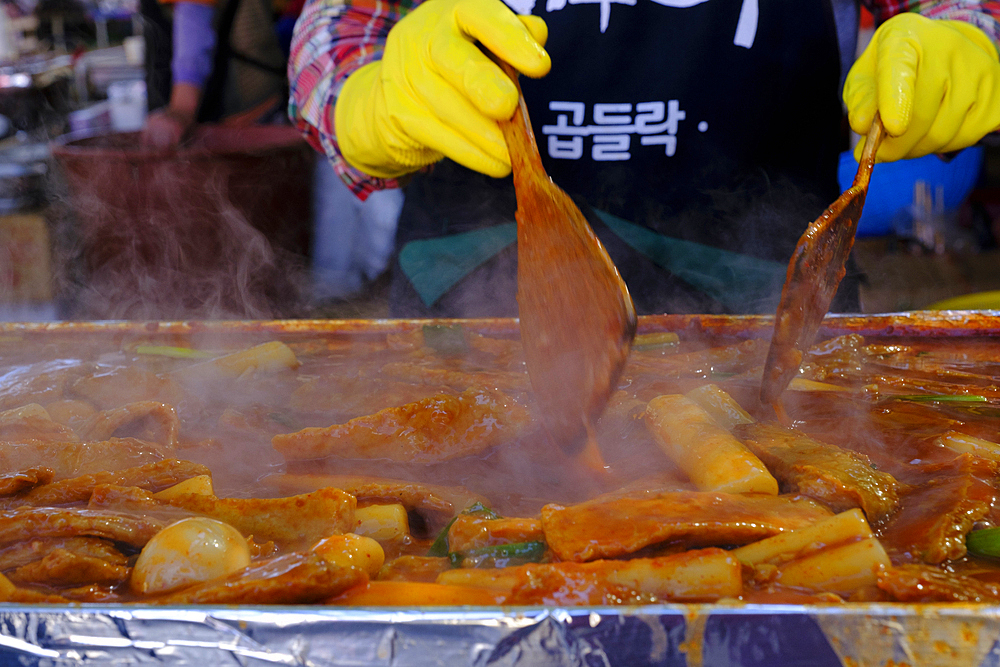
x=128 y=105
x=135 y=49
x=92 y=119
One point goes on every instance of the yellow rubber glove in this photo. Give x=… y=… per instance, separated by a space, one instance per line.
x=935 y=83
x=435 y=94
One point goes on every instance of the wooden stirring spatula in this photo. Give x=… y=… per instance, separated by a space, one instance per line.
x=577 y=318
x=816 y=269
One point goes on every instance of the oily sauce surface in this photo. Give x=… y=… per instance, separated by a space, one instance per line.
x=896 y=401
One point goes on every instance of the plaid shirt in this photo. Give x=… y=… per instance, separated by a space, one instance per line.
x=333 y=38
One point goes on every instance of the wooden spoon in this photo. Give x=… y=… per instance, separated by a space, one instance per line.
x=577 y=318
x=816 y=269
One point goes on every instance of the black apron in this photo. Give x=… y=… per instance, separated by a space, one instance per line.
x=699 y=137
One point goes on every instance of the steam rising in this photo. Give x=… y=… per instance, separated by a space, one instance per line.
x=759 y=216
x=152 y=240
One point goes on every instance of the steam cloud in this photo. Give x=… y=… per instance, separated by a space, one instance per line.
x=181 y=239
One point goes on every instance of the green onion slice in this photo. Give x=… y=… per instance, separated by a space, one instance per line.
x=941 y=398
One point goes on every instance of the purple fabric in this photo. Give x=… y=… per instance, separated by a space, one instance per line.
x=194 y=42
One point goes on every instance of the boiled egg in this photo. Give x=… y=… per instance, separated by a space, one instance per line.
x=188 y=552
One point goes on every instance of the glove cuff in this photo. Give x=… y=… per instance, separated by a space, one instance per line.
x=356 y=116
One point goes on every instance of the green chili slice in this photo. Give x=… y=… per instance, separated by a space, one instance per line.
x=516 y=553
x=526 y=551
x=439 y=548
x=985 y=542
x=481 y=511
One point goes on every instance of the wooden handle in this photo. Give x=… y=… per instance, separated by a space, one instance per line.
x=867 y=162
x=524 y=156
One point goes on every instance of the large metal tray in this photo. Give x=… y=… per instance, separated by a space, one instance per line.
x=675 y=635
x=845 y=635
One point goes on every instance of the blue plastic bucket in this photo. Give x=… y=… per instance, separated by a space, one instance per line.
x=890 y=194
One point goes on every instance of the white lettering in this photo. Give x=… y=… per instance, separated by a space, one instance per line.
x=612 y=114
x=649 y=112
x=578 y=109
x=674 y=116
x=523 y=7
x=569 y=149
x=746 y=27
x=661 y=140
x=611 y=147
x=655 y=122
x=653 y=112
x=555 y=5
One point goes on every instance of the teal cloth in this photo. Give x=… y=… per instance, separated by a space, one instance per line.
x=732 y=279
x=434 y=266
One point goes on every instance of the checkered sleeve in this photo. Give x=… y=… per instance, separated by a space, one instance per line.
x=332 y=39
x=984 y=14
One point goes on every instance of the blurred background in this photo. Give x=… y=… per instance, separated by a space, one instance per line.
x=243 y=220
x=928 y=237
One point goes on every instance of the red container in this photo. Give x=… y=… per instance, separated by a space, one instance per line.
x=216 y=229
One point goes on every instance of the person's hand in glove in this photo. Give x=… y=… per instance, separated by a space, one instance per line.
x=434 y=94
x=935 y=83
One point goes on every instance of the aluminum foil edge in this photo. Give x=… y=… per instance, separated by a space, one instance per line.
x=685 y=636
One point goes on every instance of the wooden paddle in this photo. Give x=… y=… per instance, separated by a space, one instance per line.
x=816 y=269
x=577 y=318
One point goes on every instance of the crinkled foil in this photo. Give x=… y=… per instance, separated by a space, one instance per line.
x=694 y=636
